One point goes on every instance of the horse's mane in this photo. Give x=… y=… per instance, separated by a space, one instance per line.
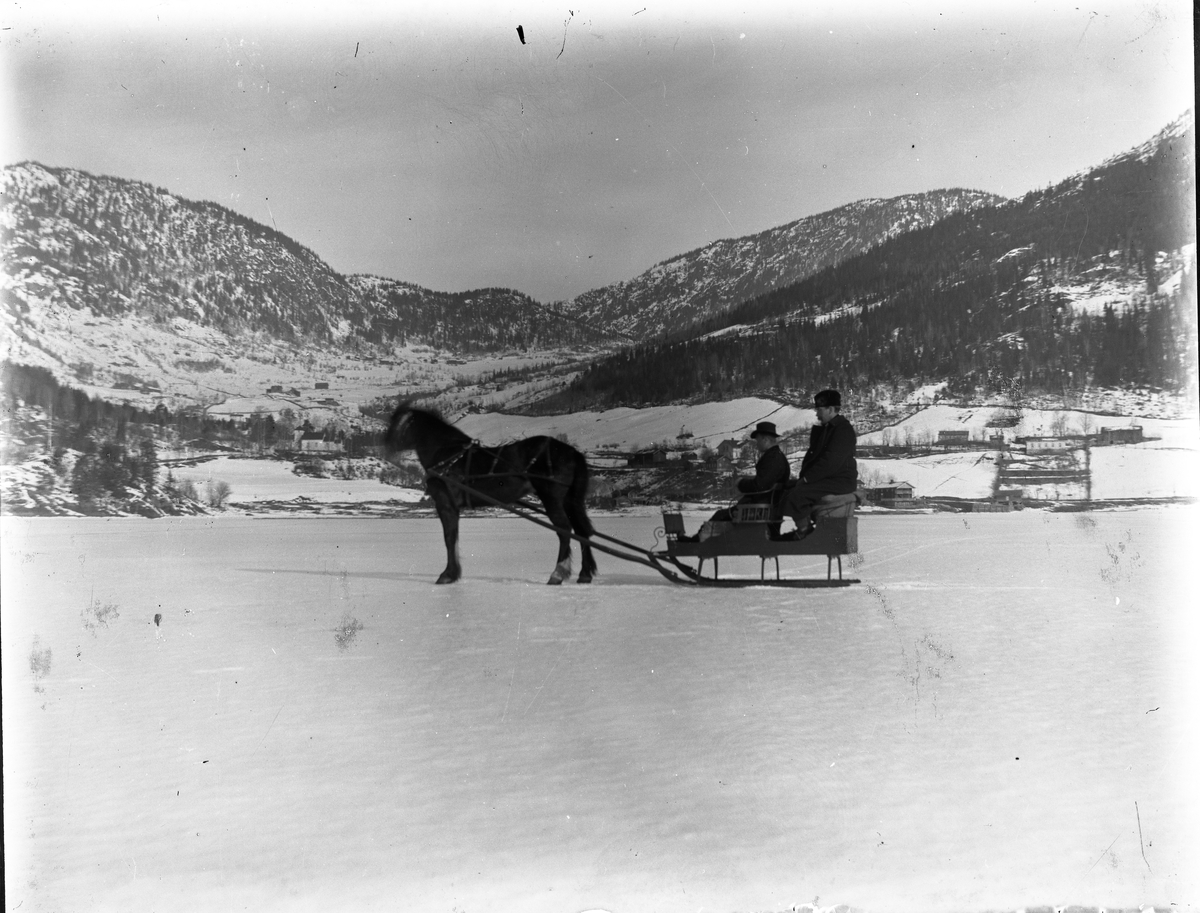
x=427 y=421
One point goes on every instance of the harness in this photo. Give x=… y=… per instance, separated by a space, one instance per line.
x=473 y=451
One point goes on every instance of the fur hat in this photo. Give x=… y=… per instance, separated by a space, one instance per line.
x=828 y=398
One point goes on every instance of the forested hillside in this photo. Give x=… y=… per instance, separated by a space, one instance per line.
x=708 y=281
x=1091 y=281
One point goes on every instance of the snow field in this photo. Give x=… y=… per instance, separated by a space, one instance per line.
x=273 y=480
x=967 y=730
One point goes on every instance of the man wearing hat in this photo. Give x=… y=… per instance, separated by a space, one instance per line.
x=771 y=469
x=829 y=467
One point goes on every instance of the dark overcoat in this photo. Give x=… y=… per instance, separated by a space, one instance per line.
x=829 y=465
x=771 y=469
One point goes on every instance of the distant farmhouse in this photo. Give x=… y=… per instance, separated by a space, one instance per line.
x=1051 y=444
x=894 y=494
x=1130 y=435
x=316 y=442
x=952 y=438
x=729 y=448
x=721 y=464
x=129 y=382
x=1010 y=495
x=648 y=457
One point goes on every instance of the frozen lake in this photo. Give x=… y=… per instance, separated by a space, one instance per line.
x=1002 y=715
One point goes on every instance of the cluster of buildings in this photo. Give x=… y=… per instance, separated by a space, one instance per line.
x=1048 y=460
x=724 y=457
x=961 y=440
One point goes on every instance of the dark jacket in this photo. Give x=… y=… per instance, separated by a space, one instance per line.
x=829 y=462
x=771 y=469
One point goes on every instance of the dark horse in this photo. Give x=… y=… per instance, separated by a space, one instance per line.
x=556 y=472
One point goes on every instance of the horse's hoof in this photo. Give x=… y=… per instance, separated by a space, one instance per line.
x=554 y=580
x=584 y=578
x=446 y=578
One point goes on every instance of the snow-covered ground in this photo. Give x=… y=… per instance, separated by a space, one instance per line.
x=1121 y=472
x=950 y=475
x=1002 y=714
x=254 y=481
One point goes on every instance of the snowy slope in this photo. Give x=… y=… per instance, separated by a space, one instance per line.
x=628 y=428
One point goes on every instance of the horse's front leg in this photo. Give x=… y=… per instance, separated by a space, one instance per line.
x=447 y=512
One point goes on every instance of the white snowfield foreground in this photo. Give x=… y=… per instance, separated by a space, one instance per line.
x=998 y=717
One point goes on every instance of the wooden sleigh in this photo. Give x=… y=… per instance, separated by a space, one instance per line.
x=747 y=533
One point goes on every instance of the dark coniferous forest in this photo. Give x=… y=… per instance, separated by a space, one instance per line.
x=977 y=299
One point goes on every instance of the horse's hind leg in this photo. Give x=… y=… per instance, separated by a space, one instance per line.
x=558 y=516
x=583 y=527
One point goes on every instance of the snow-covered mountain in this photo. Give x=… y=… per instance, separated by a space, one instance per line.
x=127 y=291
x=1088 y=283
x=705 y=282
x=130 y=292
x=116 y=247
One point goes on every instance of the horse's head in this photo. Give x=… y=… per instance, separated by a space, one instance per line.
x=423 y=431
x=401 y=434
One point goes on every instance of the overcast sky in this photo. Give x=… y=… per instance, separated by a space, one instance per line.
x=437 y=148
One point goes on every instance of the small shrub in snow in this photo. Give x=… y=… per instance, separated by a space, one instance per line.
x=216 y=493
x=312 y=466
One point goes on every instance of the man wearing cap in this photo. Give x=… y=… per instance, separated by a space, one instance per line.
x=829 y=467
x=771 y=469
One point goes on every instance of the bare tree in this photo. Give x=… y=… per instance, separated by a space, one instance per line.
x=217 y=493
